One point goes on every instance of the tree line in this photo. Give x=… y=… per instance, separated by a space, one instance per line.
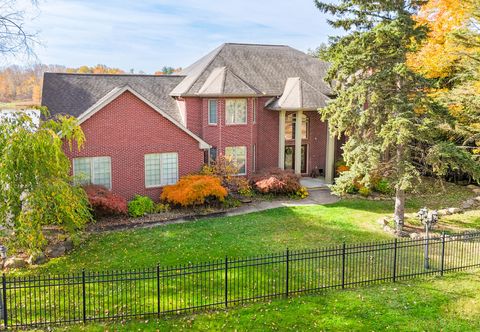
x=24 y=83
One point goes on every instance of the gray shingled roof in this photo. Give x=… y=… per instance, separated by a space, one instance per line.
x=73 y=94
x=264 y=68
x=299 y=95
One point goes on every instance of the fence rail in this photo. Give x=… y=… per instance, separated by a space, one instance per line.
x=90 y=296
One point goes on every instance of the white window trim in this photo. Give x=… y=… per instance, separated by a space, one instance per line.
x=254 y=110
x=92 y=168
x=246 y=113
x=254 y=158
x=208 y=110
x=246 y=158
x=145 y=169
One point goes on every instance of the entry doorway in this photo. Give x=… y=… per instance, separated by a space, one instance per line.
x=290 y=157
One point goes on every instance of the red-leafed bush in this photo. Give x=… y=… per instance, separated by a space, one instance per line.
x=195 y=190
x=104 y=202
x=276 y=181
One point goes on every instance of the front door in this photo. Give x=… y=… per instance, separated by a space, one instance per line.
x=290 y=158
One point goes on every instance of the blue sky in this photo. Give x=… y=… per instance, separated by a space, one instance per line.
x=148 y=34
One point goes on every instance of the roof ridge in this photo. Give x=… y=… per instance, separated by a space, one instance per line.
x=113 y=75
x=255 y=44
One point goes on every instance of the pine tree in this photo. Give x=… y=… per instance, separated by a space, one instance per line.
x=393 y=127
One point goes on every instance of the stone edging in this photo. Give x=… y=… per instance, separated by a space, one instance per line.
x=466 y=205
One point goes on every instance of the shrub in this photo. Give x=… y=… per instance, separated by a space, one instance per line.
x=383 y=187
x=162 y=207
x=104 y=202
x=364 y=191
x=301 y=193
x=195 y=190
x=277 y=181
x=342 y=168
x=140 y=206
x=227 y=171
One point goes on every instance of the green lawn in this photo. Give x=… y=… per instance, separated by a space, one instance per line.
x=451 y=303
x=209 y=239
x=247 y=235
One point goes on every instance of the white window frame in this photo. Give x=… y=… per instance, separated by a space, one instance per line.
x=92 y=169
x=161 y=184
x=246 y=157
x=254 y=158
x=254 y=110
x=216 y=111
x=234 y=123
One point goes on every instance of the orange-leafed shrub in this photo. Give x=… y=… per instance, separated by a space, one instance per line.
x=104 y=202
x=195 y=190
x=276 y=181
x=342 y=168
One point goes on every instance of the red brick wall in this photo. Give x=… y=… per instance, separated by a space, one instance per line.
x=126 y=130
x=223 y=135
x=263 y=133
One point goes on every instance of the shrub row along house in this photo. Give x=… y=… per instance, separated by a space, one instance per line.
x=256 y=104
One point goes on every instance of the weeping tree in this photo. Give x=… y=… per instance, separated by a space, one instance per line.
x=35 y=186
x=392 y=125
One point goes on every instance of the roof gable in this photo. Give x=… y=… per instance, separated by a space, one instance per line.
x=116 y=92
x=299 y=95
x=73 y=94
x=263 y=68
x=223 y=82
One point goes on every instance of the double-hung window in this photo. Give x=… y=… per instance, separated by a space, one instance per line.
x=94 y=170
x=212 y=112
x=161 y=169
x=238 y=154
x=236 y=111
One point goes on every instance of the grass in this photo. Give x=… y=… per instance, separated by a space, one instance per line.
x=451 y=303
x=248 y=235
x=210 y=239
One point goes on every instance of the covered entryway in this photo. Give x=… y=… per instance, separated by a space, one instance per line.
x=298 y=99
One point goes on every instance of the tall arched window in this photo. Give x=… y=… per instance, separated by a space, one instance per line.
x=290 y=121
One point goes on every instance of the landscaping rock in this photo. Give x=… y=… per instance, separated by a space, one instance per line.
x=68 y=245
x=56 y=250
x=37 y=259
x=468 y=204
x=455 y=210
x=383 y=221
x=389 y=229
x=477 y=199
x=443 y=212
x=472 y=186
x=476 y=191
x=14 y=263
x=401 y=233
x=414 y=236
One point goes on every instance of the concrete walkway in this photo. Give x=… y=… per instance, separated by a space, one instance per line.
x=316 y=197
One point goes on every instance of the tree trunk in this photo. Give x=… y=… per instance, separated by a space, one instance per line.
x=399 y=214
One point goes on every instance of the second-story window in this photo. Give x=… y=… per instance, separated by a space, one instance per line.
x=212 y=112
x=236 y=111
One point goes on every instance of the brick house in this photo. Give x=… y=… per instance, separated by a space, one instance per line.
x=241 y=100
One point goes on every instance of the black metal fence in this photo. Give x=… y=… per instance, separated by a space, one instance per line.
x=91 y=296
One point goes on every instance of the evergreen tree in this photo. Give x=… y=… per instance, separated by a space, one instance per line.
x=393 y=127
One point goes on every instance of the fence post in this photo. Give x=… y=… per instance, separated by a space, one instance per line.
x=158 y=289
x=84 y=296
x=442 y=264
x=287 y=273
x=4 y=299
x=395 y=260
x=343 y=264
x=226 y=281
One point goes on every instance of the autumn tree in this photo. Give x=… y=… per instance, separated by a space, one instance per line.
x=35 y=185
x=382 y=106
